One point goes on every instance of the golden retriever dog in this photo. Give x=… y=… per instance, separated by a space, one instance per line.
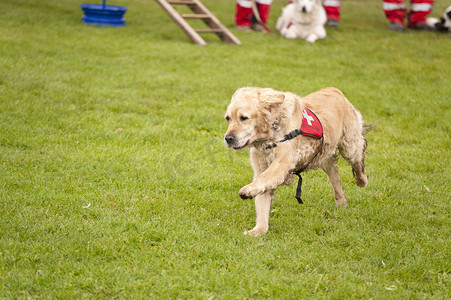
x=263 y=118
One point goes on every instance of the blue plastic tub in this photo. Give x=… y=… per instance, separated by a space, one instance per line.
x=103 y=15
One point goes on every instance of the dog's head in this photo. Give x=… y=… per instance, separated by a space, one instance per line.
x=249 y=116
x=447 y=18
x=305 y=6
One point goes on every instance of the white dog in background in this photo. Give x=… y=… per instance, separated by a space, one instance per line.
x=303 y=19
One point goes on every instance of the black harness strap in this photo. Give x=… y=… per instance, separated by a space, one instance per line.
x=299 y=189
x=291 y=136
x=287 y=137
x=298 y=172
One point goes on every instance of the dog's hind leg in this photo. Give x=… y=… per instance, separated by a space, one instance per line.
x=262 y=208
x=358 y=170
x=352 y=148
x=330 y=168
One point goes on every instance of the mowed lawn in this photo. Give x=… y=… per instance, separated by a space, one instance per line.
x=115 y=181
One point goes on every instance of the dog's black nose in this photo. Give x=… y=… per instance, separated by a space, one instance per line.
x=230 y=139
x=304 y=9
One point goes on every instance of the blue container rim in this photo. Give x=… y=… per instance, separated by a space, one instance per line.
x=103 y=8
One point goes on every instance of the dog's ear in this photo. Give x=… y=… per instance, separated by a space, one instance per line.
x=448 y=14
x=270 y=99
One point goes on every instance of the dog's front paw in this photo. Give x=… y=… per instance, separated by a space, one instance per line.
x=290 y=34
x=311 y=38
x=256 y=231
x=341 y=202
x=361 y=181
x=249 y=191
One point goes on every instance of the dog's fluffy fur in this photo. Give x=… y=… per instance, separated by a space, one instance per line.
x=260 y=117
x=444 y=24
x=303 y=19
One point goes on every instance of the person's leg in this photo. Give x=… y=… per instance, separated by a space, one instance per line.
x=243 y=15
x=332 y=8
x=263 y=7
x=419 y=10
x=395 y=11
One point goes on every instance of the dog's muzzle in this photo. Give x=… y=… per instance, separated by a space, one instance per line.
x=230 y=140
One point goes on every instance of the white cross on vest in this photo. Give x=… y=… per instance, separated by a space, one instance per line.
x=307 y=117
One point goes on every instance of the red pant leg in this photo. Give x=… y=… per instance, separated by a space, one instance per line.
x=263 y=11
x=419 y=10
x=243 y=16
x=395 y=10
x=332 y=8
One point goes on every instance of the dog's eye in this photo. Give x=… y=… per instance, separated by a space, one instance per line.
x=243 y=118
x=227 y=118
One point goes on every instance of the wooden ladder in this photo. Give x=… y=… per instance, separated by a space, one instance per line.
x=200 y=13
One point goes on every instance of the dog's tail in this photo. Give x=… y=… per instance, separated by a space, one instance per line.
x=432 y=22
x=439 y=25
x=368 y=127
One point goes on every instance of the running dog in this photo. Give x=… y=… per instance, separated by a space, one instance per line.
x=288 y=135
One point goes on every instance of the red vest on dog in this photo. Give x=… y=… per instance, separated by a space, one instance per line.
x=311 y=126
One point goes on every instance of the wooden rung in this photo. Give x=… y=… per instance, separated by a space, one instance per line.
x=200 y=12
x=196 y=16
x=181 y=2
x=209 y=30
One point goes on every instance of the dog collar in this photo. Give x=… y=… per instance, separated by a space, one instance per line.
x=310 y=126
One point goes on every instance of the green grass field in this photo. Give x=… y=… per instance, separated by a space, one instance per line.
x=115 y=182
